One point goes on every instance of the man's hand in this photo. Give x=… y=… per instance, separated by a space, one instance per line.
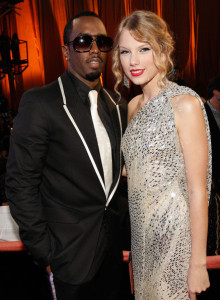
x=48 y=269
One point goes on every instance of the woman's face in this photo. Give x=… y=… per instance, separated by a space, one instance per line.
x=137 y=60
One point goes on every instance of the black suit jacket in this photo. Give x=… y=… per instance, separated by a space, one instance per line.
x=53 y=191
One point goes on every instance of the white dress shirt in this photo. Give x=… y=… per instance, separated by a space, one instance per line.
x=8 y=227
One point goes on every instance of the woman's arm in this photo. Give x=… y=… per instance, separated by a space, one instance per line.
x=193 y=140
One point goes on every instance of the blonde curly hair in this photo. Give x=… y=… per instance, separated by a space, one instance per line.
x=145 y=26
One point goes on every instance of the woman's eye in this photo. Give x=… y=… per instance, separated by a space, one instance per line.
x=123 y=51
x=145 y=49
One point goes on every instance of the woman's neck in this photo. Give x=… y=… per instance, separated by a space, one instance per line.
x=151 y=89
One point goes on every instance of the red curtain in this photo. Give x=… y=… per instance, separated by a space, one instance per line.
x=195 y=26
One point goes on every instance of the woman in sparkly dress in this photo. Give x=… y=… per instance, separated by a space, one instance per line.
x=167 y=155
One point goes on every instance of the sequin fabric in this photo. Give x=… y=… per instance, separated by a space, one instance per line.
x=158 y=199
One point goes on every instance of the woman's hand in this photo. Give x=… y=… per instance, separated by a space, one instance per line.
x=198 y=280
x=124 y=171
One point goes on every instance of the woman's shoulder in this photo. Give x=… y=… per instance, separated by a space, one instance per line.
x=173 y=89
x=133 y=107
x=184 y=98
x=134 y=101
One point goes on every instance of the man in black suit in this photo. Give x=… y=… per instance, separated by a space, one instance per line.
x=55 y=177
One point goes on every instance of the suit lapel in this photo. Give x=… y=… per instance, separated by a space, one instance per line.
x=86 y=128
x=84 y=122
x=117 y=132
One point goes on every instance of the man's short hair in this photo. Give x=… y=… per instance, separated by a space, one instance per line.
x=214 y=84
x=69 y=26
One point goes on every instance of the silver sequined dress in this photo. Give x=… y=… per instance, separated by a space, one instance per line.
x=158 y=199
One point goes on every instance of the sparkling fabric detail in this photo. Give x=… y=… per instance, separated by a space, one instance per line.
x=158 y=199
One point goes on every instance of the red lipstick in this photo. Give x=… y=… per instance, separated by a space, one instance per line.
x=136 y=72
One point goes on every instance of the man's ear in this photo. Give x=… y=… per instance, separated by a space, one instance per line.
x=65 y=50
x=216 y=92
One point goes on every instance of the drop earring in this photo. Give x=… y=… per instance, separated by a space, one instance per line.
x=126 y=82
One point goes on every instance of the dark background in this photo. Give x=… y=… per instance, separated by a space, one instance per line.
x=194 y=23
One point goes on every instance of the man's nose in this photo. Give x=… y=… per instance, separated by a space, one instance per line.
x=95 y=48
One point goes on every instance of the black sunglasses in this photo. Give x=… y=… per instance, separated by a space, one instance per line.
x=83 y=43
